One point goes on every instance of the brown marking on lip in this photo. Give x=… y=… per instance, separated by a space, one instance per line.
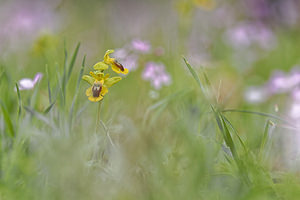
x=119 y=65
x=96 y=89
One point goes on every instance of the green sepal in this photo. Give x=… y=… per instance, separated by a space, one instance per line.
x=88 y=79
x=111 y=81
x=101 y=66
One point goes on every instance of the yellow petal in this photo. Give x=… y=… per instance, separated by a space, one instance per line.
x=97 y=75
x=206 y=4
x=93 y=75
x=100 y=66
x=116 y=69
x=89 y=92
x=104 y=90
x=106 y=76
x=107 y=59
x=111 y=81
x=88 y=79
x=95 y=99
x=99 y=98
x=125 y=71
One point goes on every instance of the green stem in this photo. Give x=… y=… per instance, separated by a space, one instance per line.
x=98 y=115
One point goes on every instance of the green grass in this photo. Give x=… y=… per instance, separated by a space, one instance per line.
x=181 y=146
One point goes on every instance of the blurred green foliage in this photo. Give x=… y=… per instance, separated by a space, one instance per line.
x=198 y=140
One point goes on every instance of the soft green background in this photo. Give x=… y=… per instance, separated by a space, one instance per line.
x=179 y=146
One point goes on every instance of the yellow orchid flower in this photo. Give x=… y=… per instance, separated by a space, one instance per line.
x=99 y=85
x=115 y=65
x=205 y=4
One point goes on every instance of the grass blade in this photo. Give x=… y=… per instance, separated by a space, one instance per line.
x=68 y=70
x=49 y=107
x=260 y=114
x=48 y=84
x=71 y=65
x=228 y=138
x=7 y=120
x=229 y=142
x=204 y=90
x=39 y=116
x=235 y=131
x=265 y=137
x=77 y=90
x=221 y=122
x=81 y=73
x=19 y=101
x=34 y=96
x=195 y=75
x=64 y=76
x=162 y=103
x=106 y=129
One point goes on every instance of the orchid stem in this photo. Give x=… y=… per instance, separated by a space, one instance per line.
x=98 y=115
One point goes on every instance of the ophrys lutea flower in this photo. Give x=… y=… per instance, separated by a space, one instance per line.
x=99 y=85
x=115 y=65
x=99 y=81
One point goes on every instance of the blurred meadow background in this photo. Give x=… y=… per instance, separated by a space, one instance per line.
x=210 y=108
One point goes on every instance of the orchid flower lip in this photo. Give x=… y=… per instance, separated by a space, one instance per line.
x=96 y=89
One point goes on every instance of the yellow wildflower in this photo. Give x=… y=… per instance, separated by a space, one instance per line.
x=99 y=85
x=115 y=65
x=205 y=4
x=186 y=7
